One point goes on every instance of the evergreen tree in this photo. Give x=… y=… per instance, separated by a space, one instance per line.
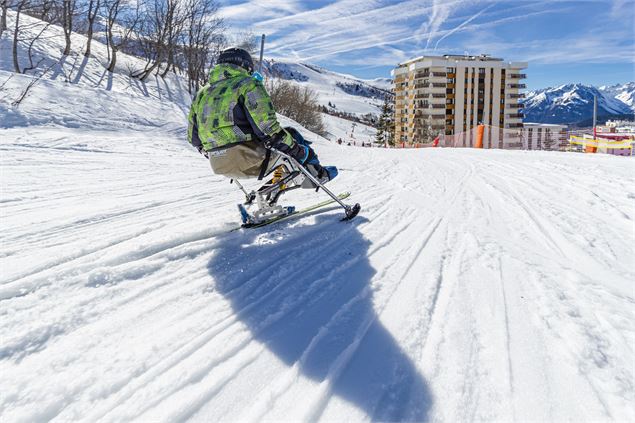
x=386 y=125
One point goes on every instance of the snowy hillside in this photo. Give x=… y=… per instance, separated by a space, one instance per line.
x=341 y=93
x=348 y=131
x=574 y=102
x=475 y=285
x=347 y=93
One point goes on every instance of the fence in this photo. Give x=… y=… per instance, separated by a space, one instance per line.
x=527 y=138
x=622 y=147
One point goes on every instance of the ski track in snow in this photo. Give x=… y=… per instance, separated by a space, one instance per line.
x=475 y=285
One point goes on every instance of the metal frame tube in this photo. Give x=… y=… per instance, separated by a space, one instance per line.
x=312 y=178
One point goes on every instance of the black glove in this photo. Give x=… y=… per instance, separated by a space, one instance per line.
x=302 y=153
x=202 y=151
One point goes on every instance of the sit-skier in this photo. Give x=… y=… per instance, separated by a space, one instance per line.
x=233 y=122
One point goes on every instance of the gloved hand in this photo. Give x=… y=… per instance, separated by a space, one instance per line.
x=309 y=156
x=203 y=152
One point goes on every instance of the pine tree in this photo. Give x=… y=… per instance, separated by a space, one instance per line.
x=385 y=126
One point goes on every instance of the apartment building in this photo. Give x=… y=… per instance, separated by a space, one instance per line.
x=449 y=95
x=545 y=136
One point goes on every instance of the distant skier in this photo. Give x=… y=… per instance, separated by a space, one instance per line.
x=232 y=121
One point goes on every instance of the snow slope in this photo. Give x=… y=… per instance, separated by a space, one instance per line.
x=474 y=285
x=347 y=93
x=347 y=130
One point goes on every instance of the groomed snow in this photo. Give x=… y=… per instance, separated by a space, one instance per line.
x=474 y=285
x=484 y=285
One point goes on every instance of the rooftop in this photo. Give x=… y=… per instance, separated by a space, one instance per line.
x=481 y=58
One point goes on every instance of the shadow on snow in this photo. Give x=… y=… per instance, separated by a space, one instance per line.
x=305 y=293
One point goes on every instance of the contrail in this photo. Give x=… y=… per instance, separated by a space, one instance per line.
x=452 y=31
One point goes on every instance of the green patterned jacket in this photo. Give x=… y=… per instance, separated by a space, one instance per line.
x=231 y=108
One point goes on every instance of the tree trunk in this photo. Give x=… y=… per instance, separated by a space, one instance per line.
x=16 y=64
x=3 y=20
x=67 y=23
x=90 y=38
x=113 y=60
x=168 y=64
x=92 y=14
x=147 y=73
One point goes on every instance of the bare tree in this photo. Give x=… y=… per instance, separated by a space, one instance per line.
x=165 y=20
x=20 y=6
x=121 y=22
x=297 y=103
x=91 y=15
x=68 y=11
x=4 y=4
x=203 y=40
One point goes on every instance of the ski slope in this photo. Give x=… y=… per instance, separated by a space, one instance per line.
x=474 y=284
x=487 y=285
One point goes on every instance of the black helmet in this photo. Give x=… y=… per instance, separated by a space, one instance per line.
x=238 y=57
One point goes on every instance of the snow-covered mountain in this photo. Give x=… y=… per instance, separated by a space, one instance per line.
x=622 y=92
x=573 y=103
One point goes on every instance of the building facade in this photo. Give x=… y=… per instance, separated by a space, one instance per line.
x=447 y=95
x=545 y=136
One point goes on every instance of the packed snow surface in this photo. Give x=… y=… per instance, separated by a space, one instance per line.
x=474 y=284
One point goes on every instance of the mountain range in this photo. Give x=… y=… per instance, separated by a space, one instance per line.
x=573 y=103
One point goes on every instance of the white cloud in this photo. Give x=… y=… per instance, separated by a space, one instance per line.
x=369 y=33
x=251 y=9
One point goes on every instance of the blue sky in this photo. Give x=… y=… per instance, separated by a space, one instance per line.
x=588 y=41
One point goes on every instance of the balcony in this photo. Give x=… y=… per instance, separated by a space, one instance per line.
x=519 y=86
x=437 y=106
x=438 y=95
x=443 y=74
x=438 y=85
x=431 y=112
x=515 y=115
x=418 y=96
x=520 y=95
x=420 y=85
x=515 y=125
x=515 y=105
x=517 y=75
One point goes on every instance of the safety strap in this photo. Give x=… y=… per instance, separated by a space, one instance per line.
x=265 y=165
